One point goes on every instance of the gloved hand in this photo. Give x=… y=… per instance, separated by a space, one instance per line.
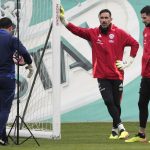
x=31 y=70
x=62 y=16
x=121 y=65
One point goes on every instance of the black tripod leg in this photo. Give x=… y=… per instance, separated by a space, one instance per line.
x=11 y=130
x=13 y=125
x=29 y=131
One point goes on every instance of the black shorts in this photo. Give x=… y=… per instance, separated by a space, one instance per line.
x=111 y=90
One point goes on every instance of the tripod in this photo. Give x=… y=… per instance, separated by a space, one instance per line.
x=17 y=126
x=18 y=118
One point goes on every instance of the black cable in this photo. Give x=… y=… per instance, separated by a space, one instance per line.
x=37 y=71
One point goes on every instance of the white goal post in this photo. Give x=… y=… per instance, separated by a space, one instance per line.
x=56 y=68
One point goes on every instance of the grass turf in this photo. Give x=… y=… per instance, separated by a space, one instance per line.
x=84 y=136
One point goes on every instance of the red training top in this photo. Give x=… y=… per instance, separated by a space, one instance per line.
x=146 y=53
x=106 y=49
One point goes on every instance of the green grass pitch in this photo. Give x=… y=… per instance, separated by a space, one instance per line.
x=84 y=136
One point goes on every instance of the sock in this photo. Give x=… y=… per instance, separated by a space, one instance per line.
x=121 y=127
x=114 y=131
x=141 y=135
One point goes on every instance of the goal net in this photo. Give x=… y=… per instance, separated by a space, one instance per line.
x=39 y=96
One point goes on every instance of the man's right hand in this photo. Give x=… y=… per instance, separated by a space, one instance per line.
x=31 y=70
x=62 y=16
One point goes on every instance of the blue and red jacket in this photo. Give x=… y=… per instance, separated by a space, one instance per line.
x=106 y=49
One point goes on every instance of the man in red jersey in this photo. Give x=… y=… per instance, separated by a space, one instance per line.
x=108 y=43
x=145 y=81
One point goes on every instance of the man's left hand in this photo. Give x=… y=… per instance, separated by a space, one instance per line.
x=31 y=70
x=121 y=65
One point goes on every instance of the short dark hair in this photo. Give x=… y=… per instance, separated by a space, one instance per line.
x=146 y=10
x=5 y=23
x=105 y=11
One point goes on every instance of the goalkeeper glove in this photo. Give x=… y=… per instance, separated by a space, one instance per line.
x=62 y=16
x=121 y=65
x=31 y=70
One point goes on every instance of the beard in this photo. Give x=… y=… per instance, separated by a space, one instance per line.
x=147 y=25
x=104 y=30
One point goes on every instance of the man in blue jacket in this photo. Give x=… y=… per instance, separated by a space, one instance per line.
x=8 y=46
